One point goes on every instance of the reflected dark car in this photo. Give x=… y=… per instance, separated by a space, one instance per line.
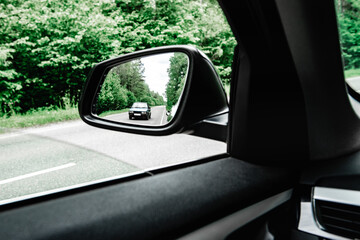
x=140 y=110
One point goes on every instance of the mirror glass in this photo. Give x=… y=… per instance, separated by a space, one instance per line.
x=143 y=91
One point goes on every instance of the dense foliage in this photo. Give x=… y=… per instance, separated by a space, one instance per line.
x=177 y=74
x=349 y=27
x=47 y=47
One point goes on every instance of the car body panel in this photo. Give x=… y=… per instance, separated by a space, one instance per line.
x=113 y=207
x=140 y=112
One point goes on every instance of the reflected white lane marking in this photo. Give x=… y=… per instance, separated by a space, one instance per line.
x=353 y=78
x=162 y=116
x=9 y=180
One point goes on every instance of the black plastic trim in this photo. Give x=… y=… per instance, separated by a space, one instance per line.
x=353 y=93
x=166 y=205
x=213 y=128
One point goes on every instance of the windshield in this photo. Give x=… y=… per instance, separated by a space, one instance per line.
x=139 y=105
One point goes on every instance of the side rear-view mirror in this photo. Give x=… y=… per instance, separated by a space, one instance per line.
x=158 y=91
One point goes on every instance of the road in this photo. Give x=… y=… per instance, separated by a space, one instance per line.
x=354 y=82
x=42 y=159
x=158 y=117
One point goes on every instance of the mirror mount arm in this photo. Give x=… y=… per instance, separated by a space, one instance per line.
x=213 y=128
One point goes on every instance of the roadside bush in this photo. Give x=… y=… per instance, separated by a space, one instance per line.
x=112 y=97
x=130 y=98
x=148 y=100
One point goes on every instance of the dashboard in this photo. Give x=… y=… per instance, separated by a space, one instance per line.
x=330 y=199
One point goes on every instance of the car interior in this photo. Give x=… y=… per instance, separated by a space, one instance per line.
x=291 y=125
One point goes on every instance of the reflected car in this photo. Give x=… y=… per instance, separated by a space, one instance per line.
x=140 y=110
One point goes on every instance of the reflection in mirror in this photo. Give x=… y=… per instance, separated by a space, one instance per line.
x=143 y=91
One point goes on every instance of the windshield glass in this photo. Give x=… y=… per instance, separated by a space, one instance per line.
x=139 y=105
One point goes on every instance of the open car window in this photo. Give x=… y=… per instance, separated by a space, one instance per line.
x=47 y=48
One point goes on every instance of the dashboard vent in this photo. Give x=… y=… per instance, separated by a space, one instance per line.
x=338 y=218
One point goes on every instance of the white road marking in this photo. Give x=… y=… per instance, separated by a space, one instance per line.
x=9 y=180
x=9 y=135
x=353 y=78
x=162 y=116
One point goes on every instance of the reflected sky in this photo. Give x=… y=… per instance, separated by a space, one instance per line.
x=156 y=75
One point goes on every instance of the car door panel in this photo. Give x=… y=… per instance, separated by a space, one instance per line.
x=167 y=205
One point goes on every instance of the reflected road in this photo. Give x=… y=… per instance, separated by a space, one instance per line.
x=158 y=117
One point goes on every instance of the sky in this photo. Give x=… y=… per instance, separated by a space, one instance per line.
x=155 y=74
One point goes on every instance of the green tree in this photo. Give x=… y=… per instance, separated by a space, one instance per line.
x=349 y=27
x=131 y=76
x=157 y=98
x=9 y=84
x=112 y=95
x=131 y=98
x=177 y=74
x=124 y=85
x=50 y=46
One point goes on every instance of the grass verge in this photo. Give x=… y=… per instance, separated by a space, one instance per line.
x=352 y=73
x=104 y=114
x=37 y=117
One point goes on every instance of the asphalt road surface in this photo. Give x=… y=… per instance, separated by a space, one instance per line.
x=158 y=117
x=49 y=158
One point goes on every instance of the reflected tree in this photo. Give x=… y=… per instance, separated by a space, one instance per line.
x=124 y=85
x=177 y=76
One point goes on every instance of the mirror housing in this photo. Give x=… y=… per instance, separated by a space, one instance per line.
x=203 y=96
